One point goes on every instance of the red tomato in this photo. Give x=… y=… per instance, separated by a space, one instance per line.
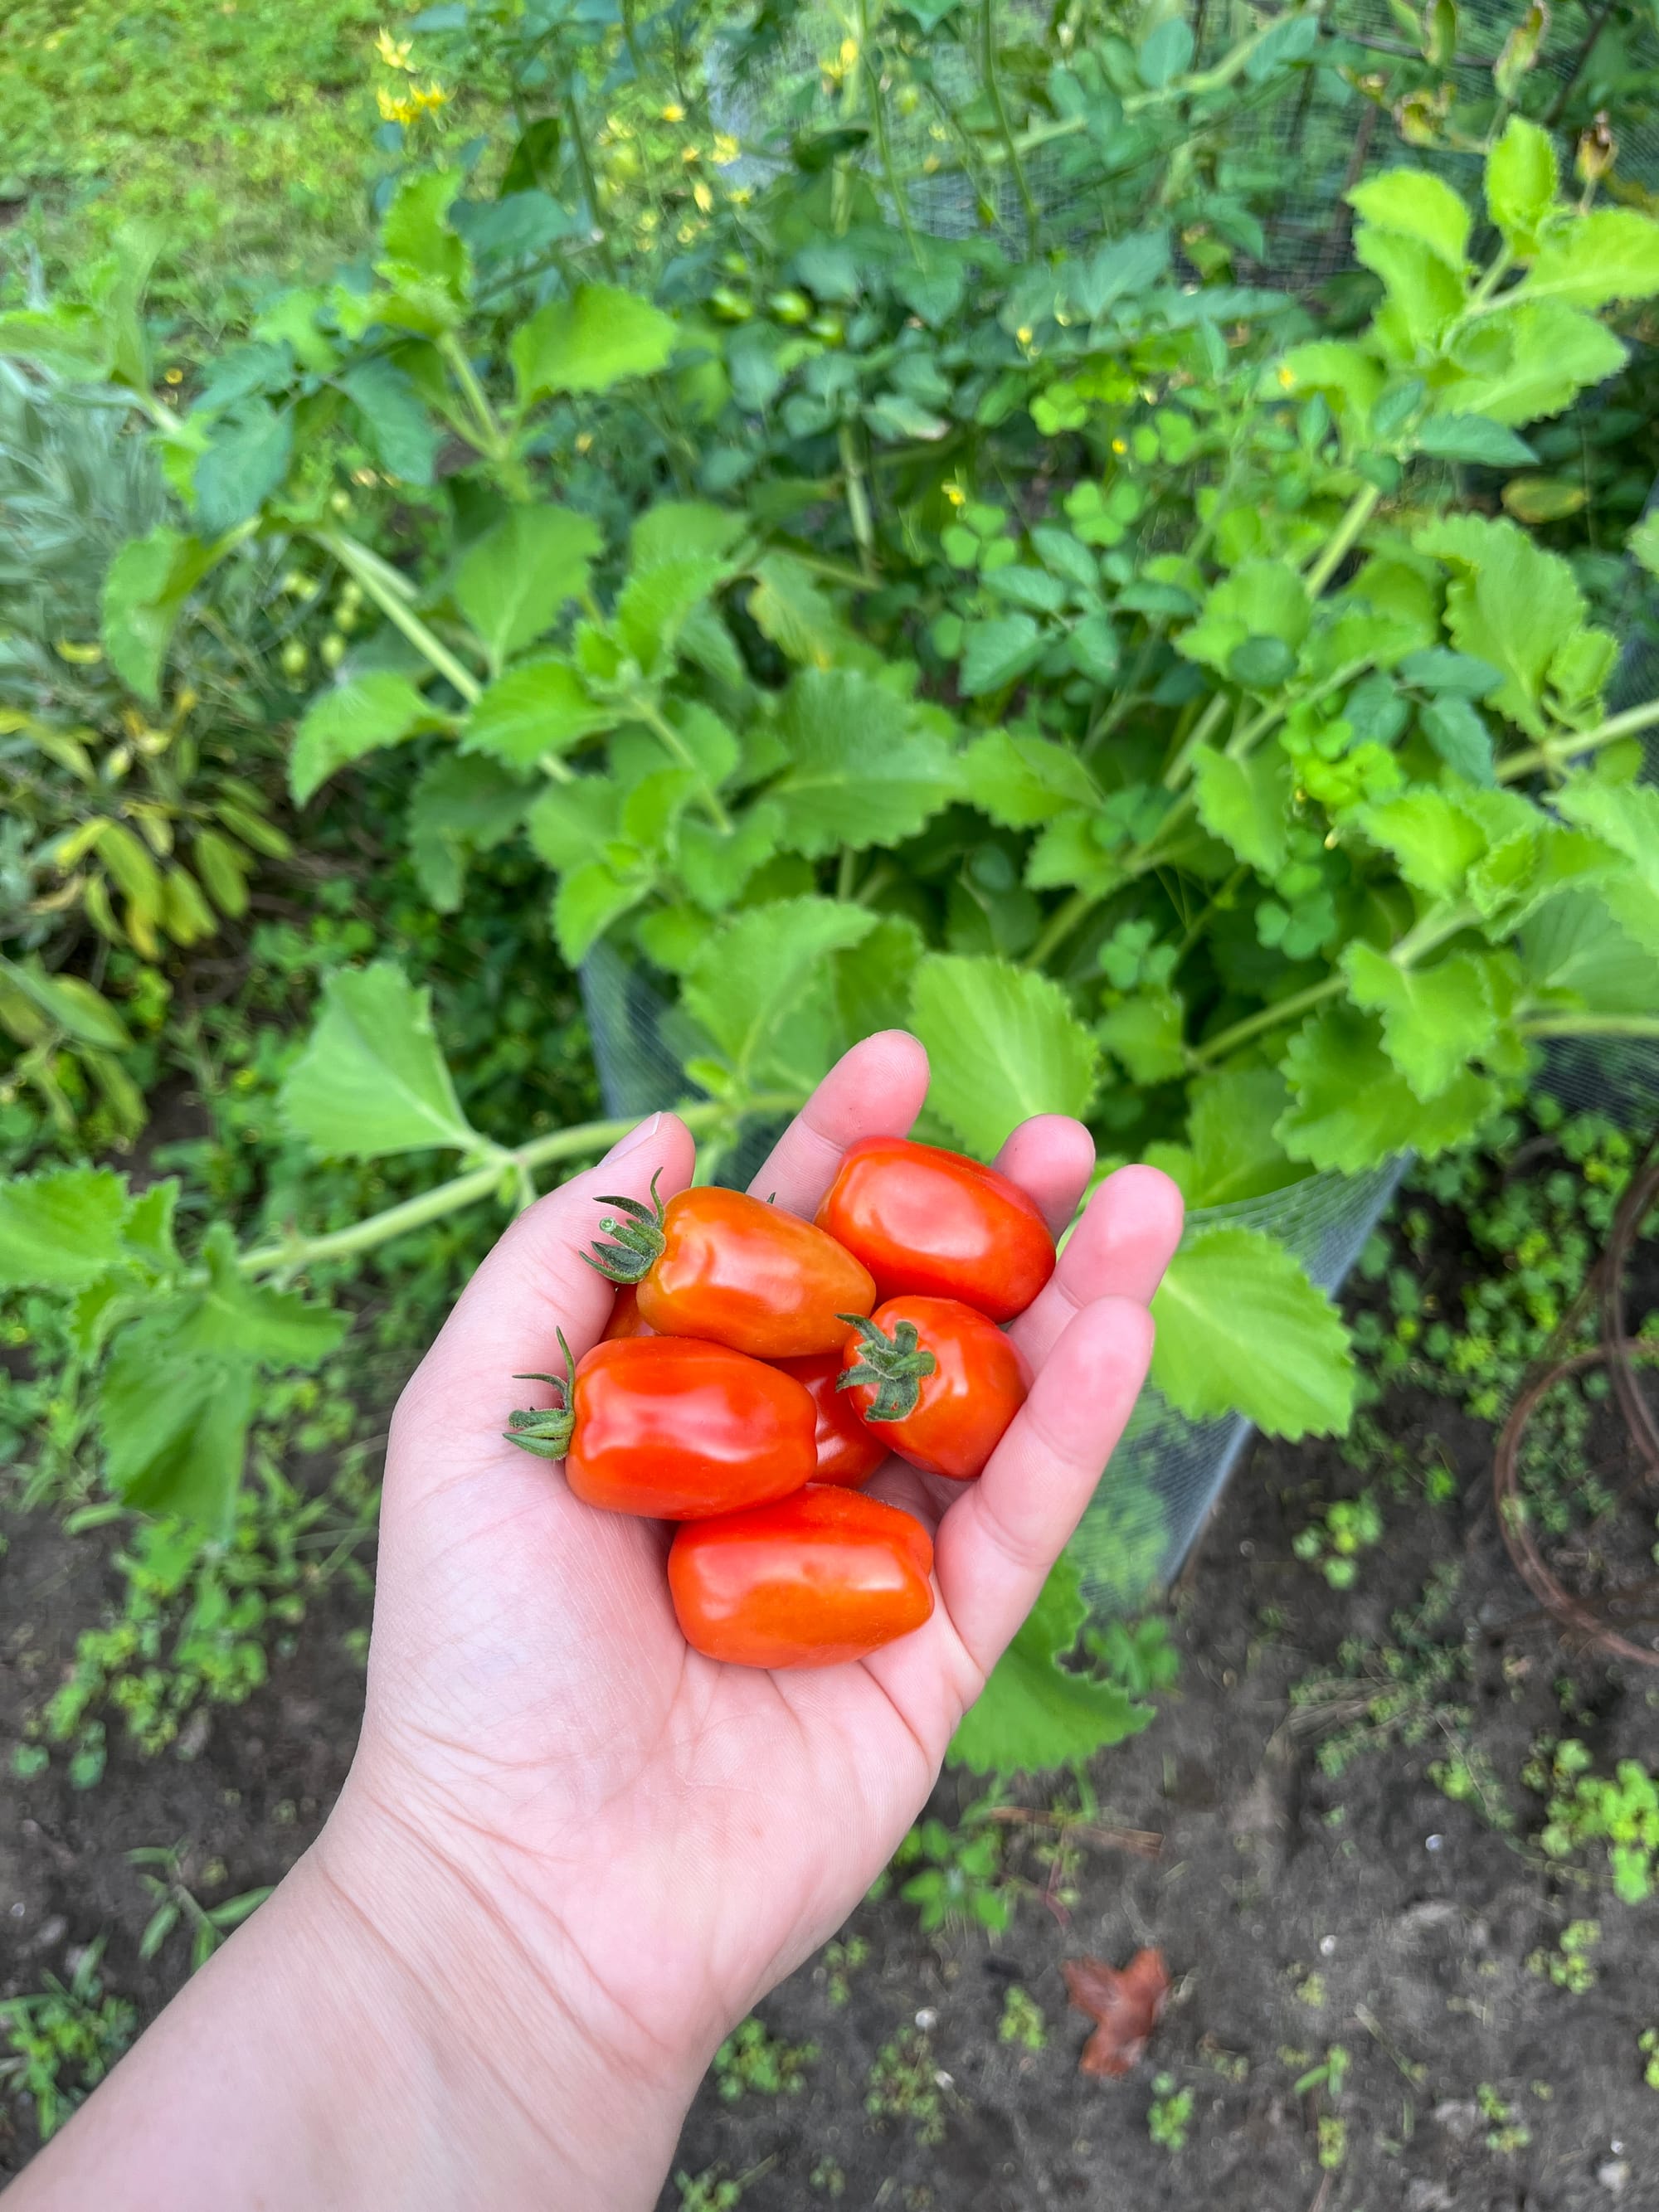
x=849 y=1448
x=939 y=1381
x=626 y=1319
x=673 y=1428
x=922 y=1218
x=821 y=1578
x=719 y=1264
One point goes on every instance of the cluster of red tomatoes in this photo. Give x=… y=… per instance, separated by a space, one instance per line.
x=758 y=1369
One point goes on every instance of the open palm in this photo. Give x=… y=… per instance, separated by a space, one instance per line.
x=665 y=1836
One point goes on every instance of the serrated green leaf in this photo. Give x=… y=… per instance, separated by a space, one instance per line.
x=754 y=970
x=1626 y=817
x=62 y=1228
x=589 y=899
x=1521 y=185
x=1352 y=1109
x=1437 y=668
x=1643 y=543
x=174 y=1431
x=350 y=720
x=995 y=653
x=1525 y=362
x=1261 y=598
x=147 y=1230
x=405 y=437
x=789 y=605
x=462 y=804
x=1475 y=439
x=149 y=581
x=1242 y=1329
x=1509 y=602
x=1004 y=1044
x=597 y=338
x=1435 y=1020
x=1033 y=1713
x=1572 y=948
x=1425 y=293
x=570 y=822
x=1457 y=730
x=714 y=865
x=537 y=707
x=1020 y=780
x=512 y=581
x=1067 y=855
x=863 y=769
x=1246 y=803
x=1234 y=1154
x=372 y=1079
x=655 y=603
x=1147 y=1033
x=672 y=530
x=236 y=1318
x=245 y=459
x=1433 y=840
x=1416 y=203
x=1591 y=260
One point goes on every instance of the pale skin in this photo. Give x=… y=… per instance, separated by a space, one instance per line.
x=571 y=1854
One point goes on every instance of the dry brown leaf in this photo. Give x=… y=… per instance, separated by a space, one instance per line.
x=1126 y=2001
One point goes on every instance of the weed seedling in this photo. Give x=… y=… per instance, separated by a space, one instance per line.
x=1647 y=2045
x=958 y=1876
x=1585 y=1809
x=1570 y=1967
x=904 y=2084
x=841 y=1962
x=60 y=2044
x=1169 y=2114
x=1504 y=2133
x=828 y=2176
x=1022 y=2021
x=752 y=2058
x=175 y=1902
x=1347 y=1527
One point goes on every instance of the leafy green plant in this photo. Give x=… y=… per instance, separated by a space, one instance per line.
x=1169 y=2115
x=1619 y=1813
x=1345 y=1528
x=177 y=1905
x=1021 y=2021
x=953 y=1875
x=753 y=2059
x=1505 y=2132
x=1569 y=1965
x=60 y=2043
x=1648 y=2043
x=905 y=2083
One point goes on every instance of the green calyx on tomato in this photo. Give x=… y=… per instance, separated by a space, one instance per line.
x=893 y=1366
x=639 y=1240
x=547 y=1433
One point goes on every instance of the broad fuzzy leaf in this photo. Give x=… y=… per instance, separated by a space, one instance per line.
x=1525 y=362
x=174 y=1429
x=685 y=530
x=62 y=1228
x=1242 y=1329
x=1020 y=780
x=1261 y=598
x=590 y=898
x=1416 y=203
x=790 y=606
x=1352 y=1109
x=1246 y=803
x=1573 y=948
x=744 y=982
x=863 y=768
x=995 y=653
x=539 y=708
x=512 y=583
x=1625 y=816
x=1590 y=261
x=1230 y=1136
x=1433 y=840
x=461 y=805
x=1509 y=602
x=1033 y=1713
x=1521 y=185
x=599 y=337
x=1004 y=1044
x=1146 y=1033
x=350 y=720
x=405 y=437
x=234 y=1318
x=1435 y=1020
x=372 y=1079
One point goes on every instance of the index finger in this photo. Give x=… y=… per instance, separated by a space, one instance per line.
x=876 y=1090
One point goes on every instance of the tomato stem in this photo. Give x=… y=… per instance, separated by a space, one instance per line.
x=546 y=1431
x=639 y=1240
x=893 y=1366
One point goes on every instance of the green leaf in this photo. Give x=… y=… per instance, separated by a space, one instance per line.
x=753 y=970
x=715 y=864
x=572 y=821
x=1435 y=1020
x=1643 y=543
x=1471 y=438
x=1261 y=598
x=403 y=437
x=536 y=708
x=1457 y=730
x=1433 y=840
x=655 y=603
x=1242 y=1329
x=372 y=1079
x=462 y=804
x=789 y=606
x=174 y=1431
x=1147 y=1034
x=236 y=1317
x=1234 y=1154
x=1574 y=949
x=995 y=653
x=863 y=769
x=149 y=582
x=1025 y=587
x=1033 y=1713
x=1004 y=1044
x=69 y=1002
x=1521 y=185
x=247 y=457
x=61 y=1229
x=1625 y=816
x=350 y=720
x=514 y=580
x=1509 y=602
x=1165 y=54
x=1068 y=856
x=1437 y=668
x=1351 y=1106
x=1246 y=803
x=416 y=238
x=599 y=337
x=1344 y=373
x=1525 y=362
x=686 y=530
x=1416 y=203
x=589 y=899
x=1591 y=260
x=1019 y=780
x=1424 y=293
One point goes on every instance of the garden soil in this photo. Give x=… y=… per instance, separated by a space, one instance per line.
x=1296 y=1911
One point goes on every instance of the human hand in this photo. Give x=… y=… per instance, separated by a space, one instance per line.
x=655 y=1839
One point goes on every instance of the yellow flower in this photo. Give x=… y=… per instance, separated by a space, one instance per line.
x=393 y=110
x=689 y=154
x=584 y=440
x=173 y=376
x=1287 y=378
x=1024 y=334
x=956 y=495
x=703 y=197
x=849 y=53
x=431 y=100
x=1120 y=445
x=673 y=113
x=394 y=52
x=726 y=148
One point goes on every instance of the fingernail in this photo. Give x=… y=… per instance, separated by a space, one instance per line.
x=634 y=1139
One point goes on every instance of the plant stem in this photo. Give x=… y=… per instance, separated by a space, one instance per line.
x=1361 y=508
x=1269 y=1018
x=883 y=143
x=1557 y=752
x=366 y=567
x=858 y=499
x=1629 y=1025
x=655 y=720
x=1433 y=930
x=1182 y=766
x=466 y=1189
x=987 y=49
x=1060 y=925
x=572 y=116
x=492 y=442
